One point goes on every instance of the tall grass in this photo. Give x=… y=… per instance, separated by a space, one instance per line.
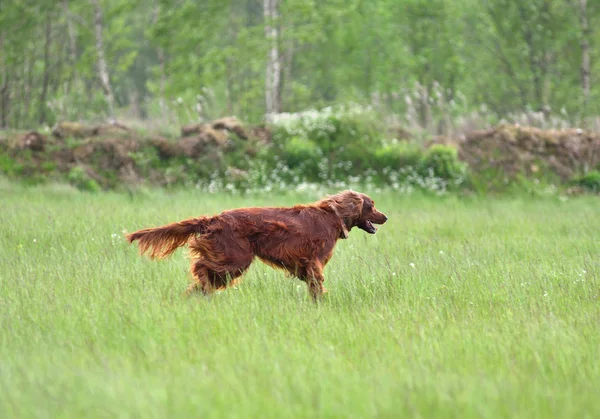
x=456 y=308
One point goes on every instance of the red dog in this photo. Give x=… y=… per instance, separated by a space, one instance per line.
x=299 y=239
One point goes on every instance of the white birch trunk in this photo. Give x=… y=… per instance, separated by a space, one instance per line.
x=273 y=68
x=102 y=67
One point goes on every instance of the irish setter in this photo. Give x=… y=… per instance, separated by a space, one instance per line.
x=299 y=239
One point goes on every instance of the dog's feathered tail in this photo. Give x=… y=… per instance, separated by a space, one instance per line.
x=162 y=241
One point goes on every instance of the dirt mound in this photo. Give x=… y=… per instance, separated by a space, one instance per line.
x=202 y=139
x=195 y=139
x=262 y=134
x=106 y=154
x=231 y=124
x=166 y=149
x=33 y=141
x=77 y=130
x=216 y=130
x=112 y=155
x=514 y=150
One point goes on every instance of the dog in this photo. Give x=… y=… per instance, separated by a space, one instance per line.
x=298 y=239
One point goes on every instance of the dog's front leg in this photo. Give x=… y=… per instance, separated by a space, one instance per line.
x=314 y=279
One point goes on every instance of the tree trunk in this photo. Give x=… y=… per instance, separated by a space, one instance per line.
x=532 y=54
x=229 y=85
x=585 y=52
x=273 y=68
x=46 y=76
x=102 y=67
x=286 y=73
x=134 y=103
x=30 y=59
x=160 y=55
x=4 y=86
x=72 y=45
x=230 y=62
x=425 y=107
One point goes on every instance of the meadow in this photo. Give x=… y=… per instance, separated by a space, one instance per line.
x=467 y=307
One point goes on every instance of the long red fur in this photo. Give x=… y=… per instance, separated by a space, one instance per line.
x=298 y=239
x=162 y=241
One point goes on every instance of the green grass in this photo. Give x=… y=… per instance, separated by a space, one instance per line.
x=456 y=308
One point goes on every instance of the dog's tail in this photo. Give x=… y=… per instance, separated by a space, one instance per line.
x=162 y=241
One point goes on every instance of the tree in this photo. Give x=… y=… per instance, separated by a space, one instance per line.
x=273 y=67
x=585 y=51
x=101 y=63
x=202 y=59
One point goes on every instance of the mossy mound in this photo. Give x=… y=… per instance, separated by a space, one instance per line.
x=516 y=150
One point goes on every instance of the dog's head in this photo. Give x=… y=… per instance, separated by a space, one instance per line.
x=356 y=210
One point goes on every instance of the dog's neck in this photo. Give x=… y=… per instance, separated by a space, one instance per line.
x=344 y=233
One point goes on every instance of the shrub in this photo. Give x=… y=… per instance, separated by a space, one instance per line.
x=301 y=152
x=80 y=179
x=590 y=181
x=9 y=166
x=396 y=155
x=443 y=162
x=327 y=144
x=49 y=166
x=329 y=128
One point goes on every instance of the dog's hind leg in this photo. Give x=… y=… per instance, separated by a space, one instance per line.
x=199 y=279
x=209 y=277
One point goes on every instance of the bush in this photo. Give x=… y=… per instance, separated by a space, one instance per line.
x=9 y=166
x=302 y=153
x=80 y=179
x=332 y=143
x=590 y=181
x=329 y=128
x=396 y=155
x=297 y=150
x=442 y=161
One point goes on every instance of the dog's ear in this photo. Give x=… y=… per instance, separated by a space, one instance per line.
x=348 y=205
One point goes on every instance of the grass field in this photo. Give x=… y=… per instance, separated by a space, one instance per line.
x=472 y=308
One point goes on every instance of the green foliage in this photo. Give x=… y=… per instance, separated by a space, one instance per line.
x=331 y=129
x=590 y=181
x=49 y=166
x=146 y=159
x=9 y=166
x=421 y=61
x=443 y=161
x=79 y=178
x=299 y=152
x=397 y=154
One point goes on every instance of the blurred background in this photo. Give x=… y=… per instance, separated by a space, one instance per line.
x=429 y=63
x=422 y=69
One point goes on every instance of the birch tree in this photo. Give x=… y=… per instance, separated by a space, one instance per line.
x=273 y=68
x=101 y=64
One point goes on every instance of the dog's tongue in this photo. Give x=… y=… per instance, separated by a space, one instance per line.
x=371 y=227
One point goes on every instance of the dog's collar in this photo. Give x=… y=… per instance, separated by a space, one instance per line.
x=344 y=233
